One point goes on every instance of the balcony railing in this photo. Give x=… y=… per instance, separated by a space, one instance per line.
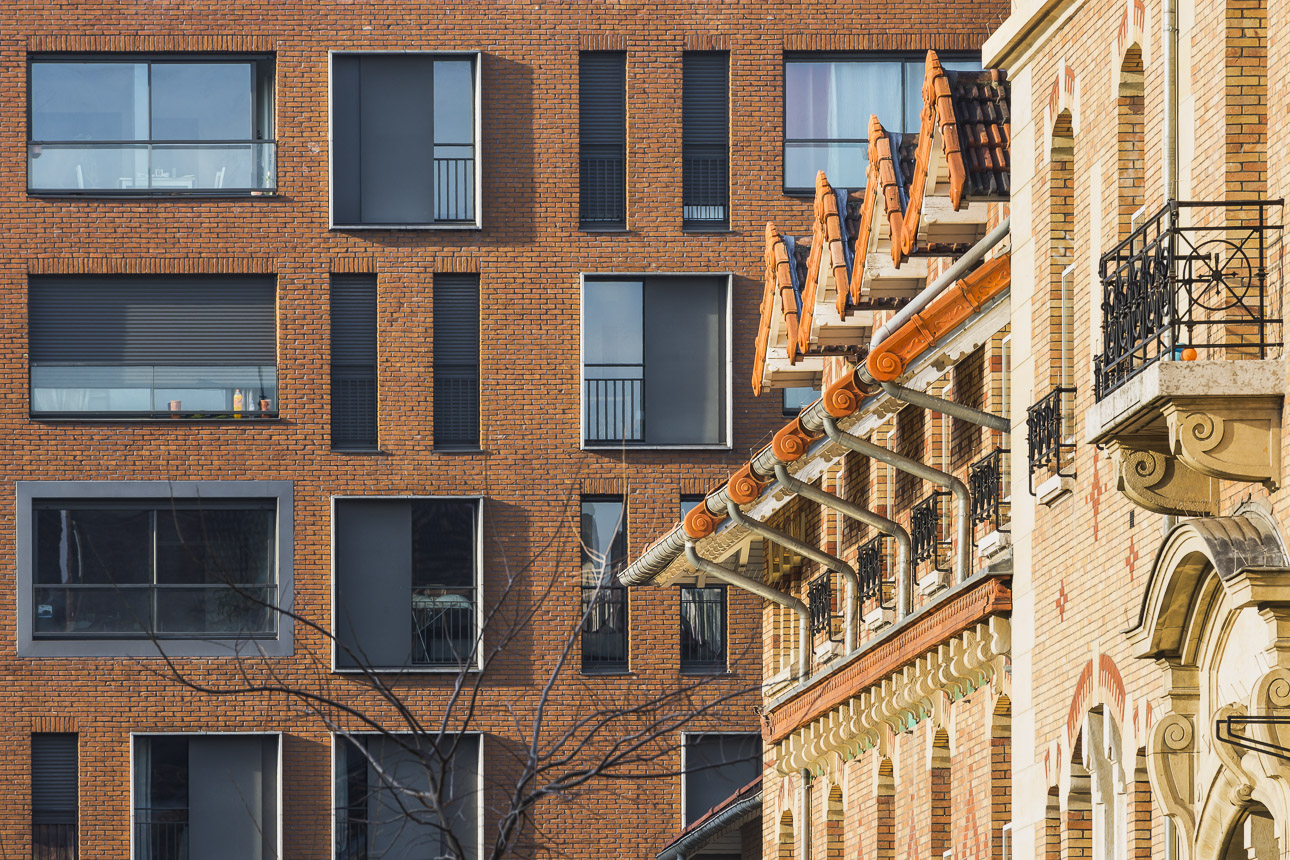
x=53 y=841
x=871 y=567
x=1050 y=435
x=819 y=600
x=141 y=167
x=443 y=626
x=66 y=390
x=925 y=530
x=986 y=482
x=161 y=834
x=703 y=629
x=615 y=405
x=604 y=187
x=1191 y=283
x=705 y=189
x=604 y=629
x=454 y=187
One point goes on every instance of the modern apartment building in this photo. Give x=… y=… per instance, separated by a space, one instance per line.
x=351 y=350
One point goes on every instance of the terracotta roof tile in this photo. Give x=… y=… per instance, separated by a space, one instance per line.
x=828 y=253
x=883 y=198
x=778 y=300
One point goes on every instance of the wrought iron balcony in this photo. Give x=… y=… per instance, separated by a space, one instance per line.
x=871 y=567
x=819 y=599
x=925 y=530
x=1190 y=283
x=1051 y=444
x=986 y=482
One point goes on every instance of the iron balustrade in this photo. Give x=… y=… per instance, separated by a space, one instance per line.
x=1179 y=282
x=143 y=167
x=925 y=529
x=603 y=171
x=454 y=189
x=1050 y=435
x=986 y=483
x=615 y=406
x=604 y=628
x=705 y=187
x=161 y=834
x=703 y=629
x=871 y=568
x=53 y=841
x=819 y=600
x=443 y=626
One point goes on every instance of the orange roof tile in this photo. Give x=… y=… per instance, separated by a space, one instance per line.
x=881 y=182
x=777 y=298
x=827 y=249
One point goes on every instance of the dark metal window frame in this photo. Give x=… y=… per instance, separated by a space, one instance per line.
x=902 y=57
x=613 y=158
x=705 y=598
x=706 y=166
x=55 y=833
x=164 y=58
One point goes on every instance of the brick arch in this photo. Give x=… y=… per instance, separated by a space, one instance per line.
x=1063 y=98
x=787 y=837
x=1099 y=683
x=1000 y=769
x=1130 y=140
x=1132 y=31
x=833 y=824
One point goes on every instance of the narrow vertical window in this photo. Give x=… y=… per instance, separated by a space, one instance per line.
x=705 y=140
x=603 y=538
x=602 y=112
x=353 y=362
x=53 y=797
x=456 y=361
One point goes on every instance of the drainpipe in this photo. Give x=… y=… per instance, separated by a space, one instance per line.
x=1169 y=161
x=815 y=554
x=948 y=277
x=765 y=592
x=941 y=405
x=904 y=575
x=806 y=814
x=963 y=501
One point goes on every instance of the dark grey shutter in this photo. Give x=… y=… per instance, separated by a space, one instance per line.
x=456 y=361
x=196 y=320
x=602 y=110
x=705 y=137
x=353 y=361
x=53 y=778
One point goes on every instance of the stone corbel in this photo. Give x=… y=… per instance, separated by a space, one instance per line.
x=1171 y=750
x=1237 y=438
x=1163 y=484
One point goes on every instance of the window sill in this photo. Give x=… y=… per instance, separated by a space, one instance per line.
x=101 y=418
x=589 y=228
x=715 y=229
x=606 y=673
x=156 y=194
x=446 y=226
x=364 y=451
x=449 y=449
x=405 y=670
x=696 y=446
x=706 y=671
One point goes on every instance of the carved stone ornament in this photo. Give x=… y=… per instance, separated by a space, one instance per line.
x=1237 y=438
x=1163 y=484
x=1170 y=755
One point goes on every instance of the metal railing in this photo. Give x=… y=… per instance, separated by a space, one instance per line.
x=456 y=405
x=615 y=407
x=603 y=198
x=454 y=189
x=53 y=841
x=1180 y=286
x=143 y=167
x=705 y=188
x=161 y=834
x=443 y=626
x=703 y=629
x=986 y=482
x=925 y=529
x=604 y=628
x=1050 y=436
x=871 y=568
x=819 y=600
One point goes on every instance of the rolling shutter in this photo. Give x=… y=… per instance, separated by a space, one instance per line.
x=456 y=361
x=353 y=361
x=602 y=109
x=705 y=138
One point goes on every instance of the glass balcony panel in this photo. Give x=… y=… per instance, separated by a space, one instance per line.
x=149 y=390
x=159 y=167
x=91 y=610
x=845 y=163
x=216 y=611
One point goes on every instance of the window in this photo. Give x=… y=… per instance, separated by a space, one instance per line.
x=797 y=398
x=353 y=363
x=828 y=99
x=407 y=583
x=655 y=361
x=380 y=811
x=456 y=362
x=714 y=767
x=53 y=797
x=603 y=538
x=602 y=123
x=703 y=629
x=404 y=132
x=106 y=567
x=705 y=140
x=153 y=346
x=205 y=797
x=136 y=124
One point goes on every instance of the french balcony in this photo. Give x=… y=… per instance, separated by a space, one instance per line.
x=991 y=505
x=1050 y=445
x=1190 y=380
x=875 y=584
x=141 y=167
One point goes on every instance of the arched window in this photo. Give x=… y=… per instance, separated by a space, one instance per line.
x=787 y=839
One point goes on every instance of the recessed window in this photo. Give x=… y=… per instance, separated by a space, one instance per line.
x=828 y=99
x=205 y=797
x=705 y=140
x=407 y=583
x=402 y=797
x=793 y=400
x=715 y=767
x=153 y=347
x=602 y=149
x=455 y=347
x=603 y=541
x=353 y=363
x=654 y=361
x=54 y=775
x=404 y=140
x=133 y=124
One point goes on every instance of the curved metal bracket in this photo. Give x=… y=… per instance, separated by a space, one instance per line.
x=1225 y=730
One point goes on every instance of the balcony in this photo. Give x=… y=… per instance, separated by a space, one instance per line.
x=443 y=626
x=161 y=834
x=134 y=167
x=991 y=505
x=615 y=404
x=819 y=600
x=1190 y=380
x=705 y=188
x=1051 y=444
x=603 y=171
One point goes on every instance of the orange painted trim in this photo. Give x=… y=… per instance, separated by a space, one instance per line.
x=906 y=241
x=827 y=249
x=792 y=441
x=888 y=361
x=699 y=522
x=744 y=487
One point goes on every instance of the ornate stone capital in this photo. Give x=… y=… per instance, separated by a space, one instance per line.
x=1163 y=484
x=1233 y=437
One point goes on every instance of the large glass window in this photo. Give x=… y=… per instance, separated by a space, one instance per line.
x=400 y=797
x=130 y=124
x=654 y=361
x=205 y=797
x=603 y=543
x=828 y=99
x=407 y=583
x=169 y=568
x=716 y=766
x=403 y=140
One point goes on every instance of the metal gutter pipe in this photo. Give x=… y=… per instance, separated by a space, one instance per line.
x=761 y=589
x=904 y=548
x=831 y=562
x=962 y=499
x=726 y=817
x=940 y=404
x=947 y=278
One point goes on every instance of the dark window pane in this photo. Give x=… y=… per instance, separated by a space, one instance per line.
x=716 y=766
x=84 y=612
x=202 y=101
x=214 y=546
x=602 y=123
x=93 y=546
x=215 y=610
x=456 y=361
x=165 y=761
x=703 y=629
x=353 y=361
x=443 y=543
x=603 y=539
